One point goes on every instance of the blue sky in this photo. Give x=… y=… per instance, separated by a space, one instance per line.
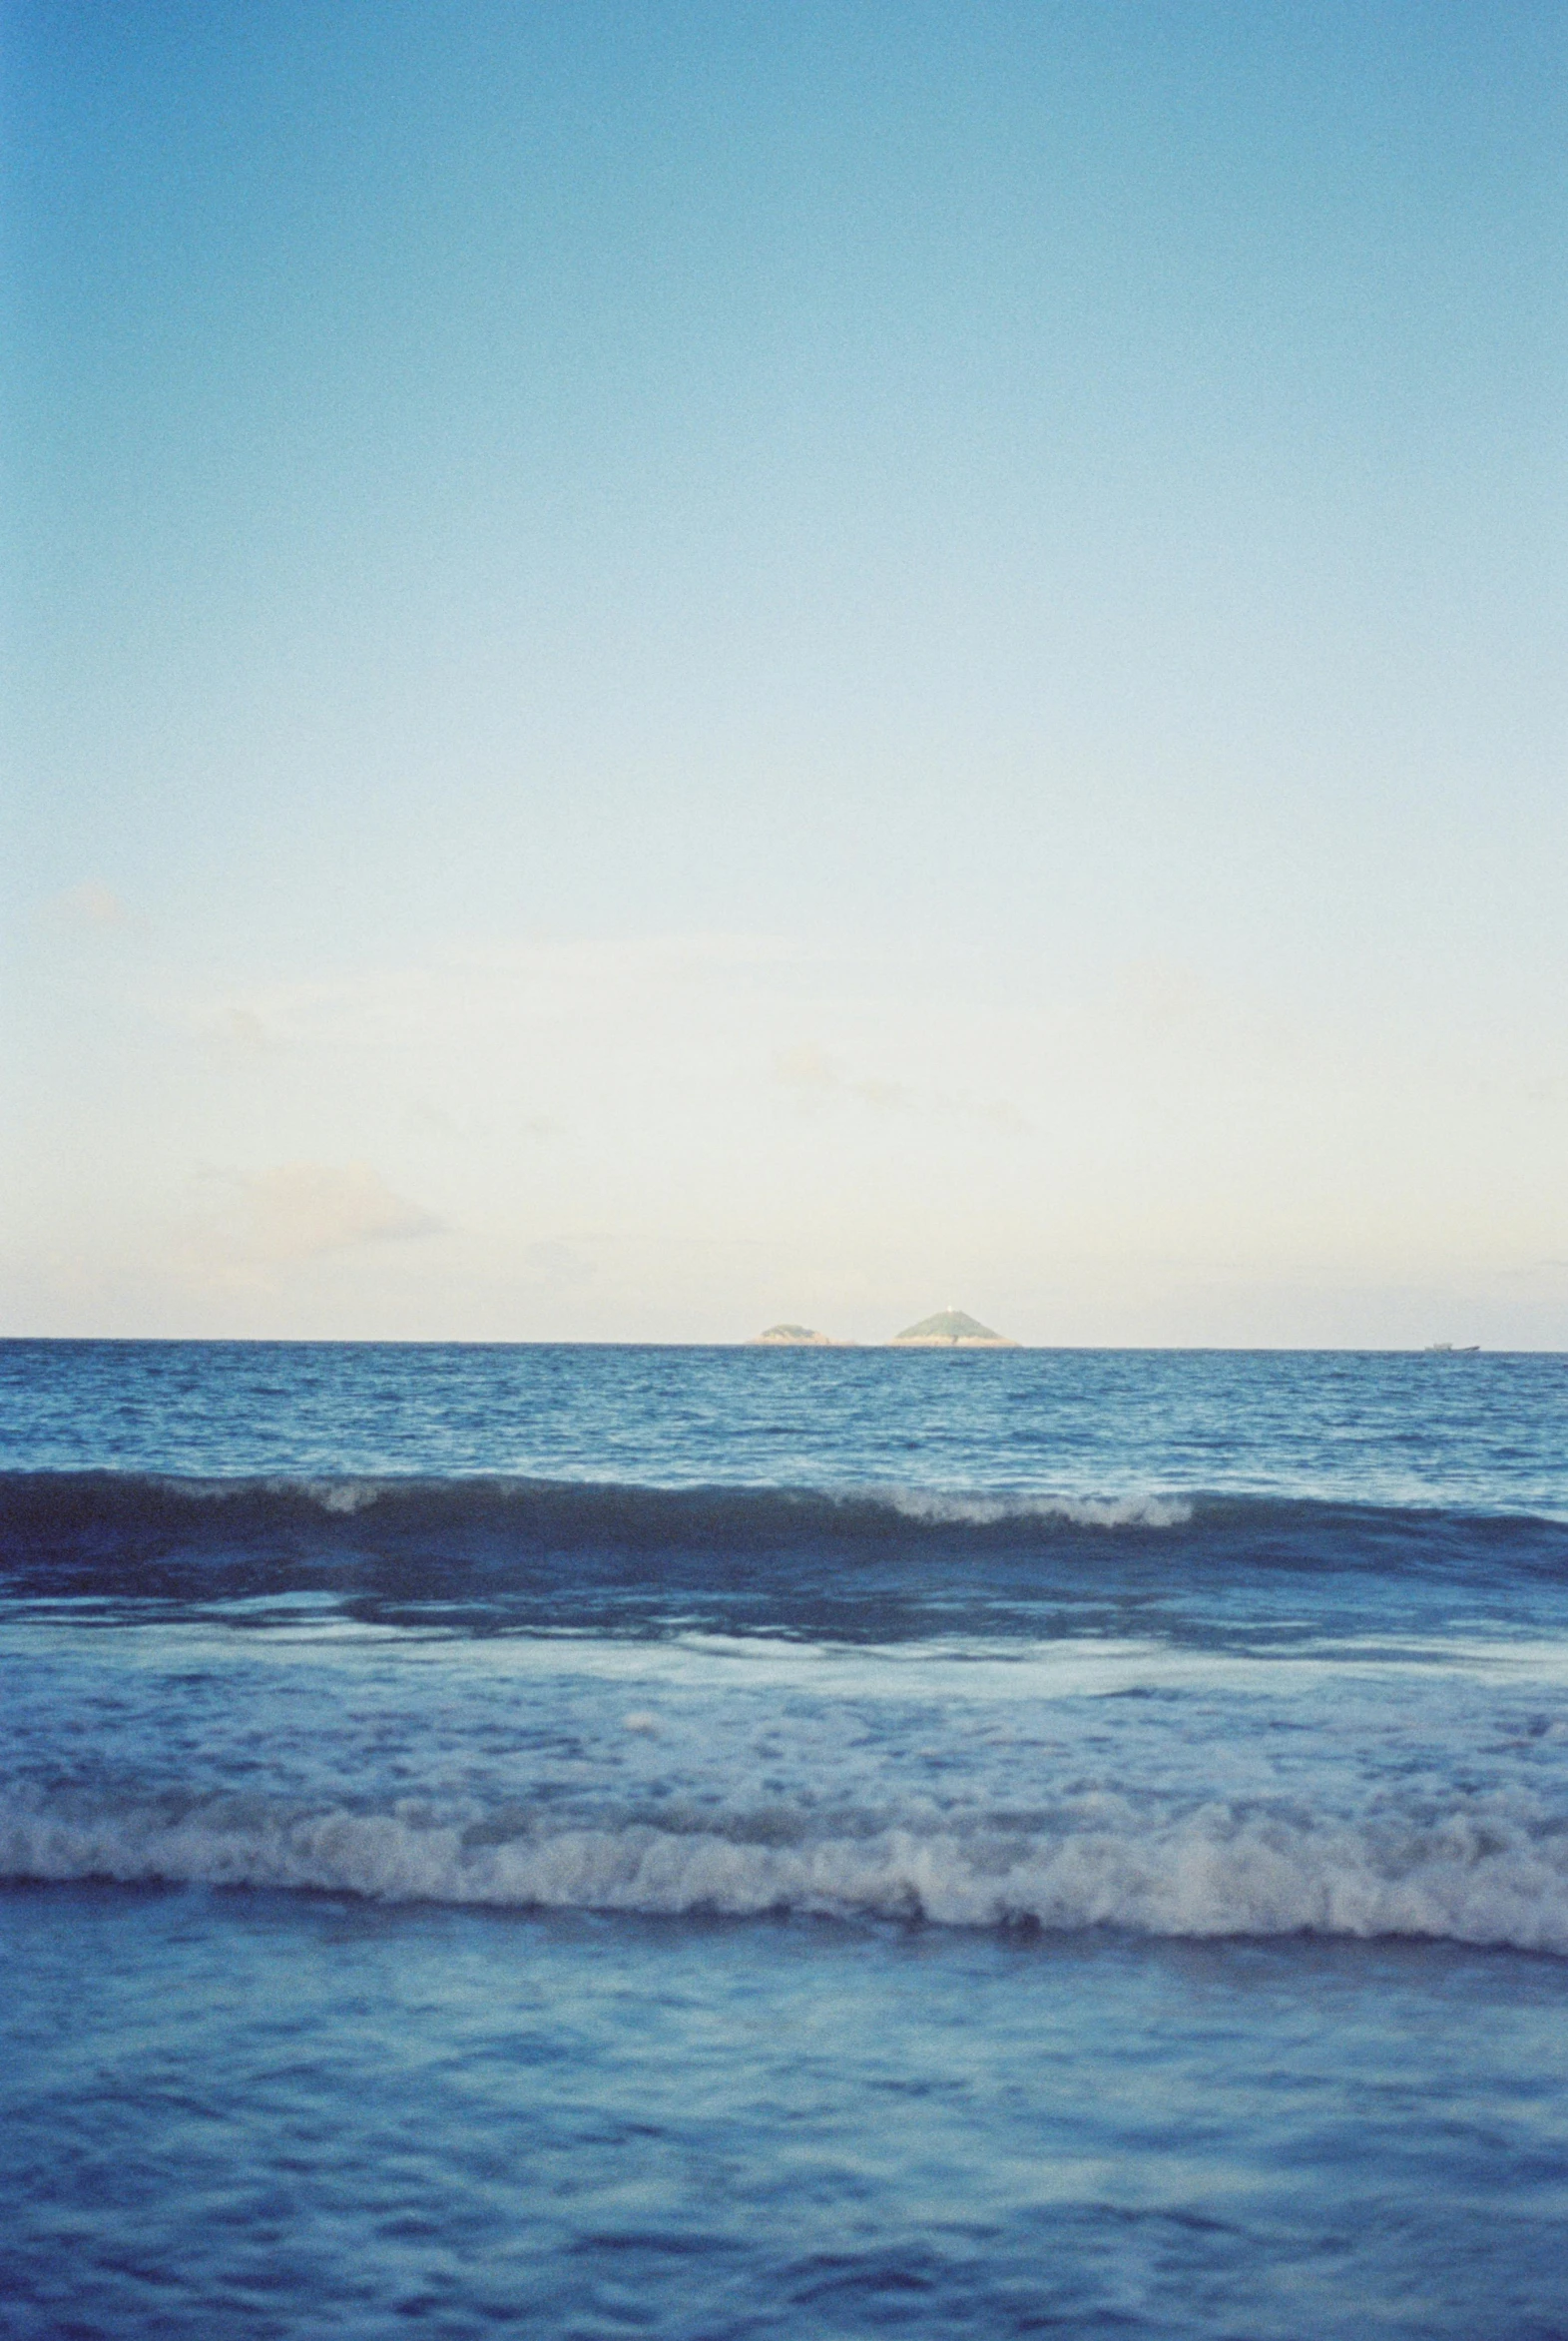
x=677 y=665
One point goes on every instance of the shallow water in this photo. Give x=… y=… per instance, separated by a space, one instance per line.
x=328 y=2115
x=720 y=1843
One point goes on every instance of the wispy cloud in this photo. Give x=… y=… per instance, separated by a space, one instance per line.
x=236 y=1027
x=620 y=983
x=812 y=1073
x=807 y=1069
x=92 y=905
x=301 y=1209
x=816 y=1076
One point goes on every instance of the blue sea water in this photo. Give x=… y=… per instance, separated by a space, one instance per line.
x=711 y=1842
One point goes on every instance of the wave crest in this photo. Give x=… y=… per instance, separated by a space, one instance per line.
x=126 y=1536
x=934 y=1509
x=1490 y=1871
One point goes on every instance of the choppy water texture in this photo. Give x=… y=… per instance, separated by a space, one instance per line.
x=708 y=1842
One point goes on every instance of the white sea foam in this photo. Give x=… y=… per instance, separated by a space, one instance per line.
x=1486 y=1871
x=346 y=1496
x=1088 y=1512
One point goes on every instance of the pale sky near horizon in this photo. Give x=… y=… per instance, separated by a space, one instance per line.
x=677 y=665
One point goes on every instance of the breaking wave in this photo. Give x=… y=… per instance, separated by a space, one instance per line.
x=1486 y=1871
x=128 y=1533
x=570 y=1509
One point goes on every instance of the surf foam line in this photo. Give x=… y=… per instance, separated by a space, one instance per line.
x=1487 y=1871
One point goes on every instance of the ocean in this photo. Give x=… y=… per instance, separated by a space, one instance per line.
x=716 y=1842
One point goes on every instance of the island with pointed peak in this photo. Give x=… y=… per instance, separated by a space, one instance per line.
x=951 y=1329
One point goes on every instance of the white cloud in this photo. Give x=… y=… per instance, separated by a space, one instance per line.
x=807 y=1068
x=814 y=1075
x=886 y=1096
x=92 y=903
x=301 y=1209
x=235 y=1028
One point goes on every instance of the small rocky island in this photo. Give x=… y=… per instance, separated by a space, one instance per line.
x=950 y=1329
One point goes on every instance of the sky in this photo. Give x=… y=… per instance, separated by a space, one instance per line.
x=677 y=665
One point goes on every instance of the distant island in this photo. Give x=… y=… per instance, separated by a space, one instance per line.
x=951 y=1329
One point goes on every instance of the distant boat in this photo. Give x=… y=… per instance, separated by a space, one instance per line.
x=1448 y=1349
